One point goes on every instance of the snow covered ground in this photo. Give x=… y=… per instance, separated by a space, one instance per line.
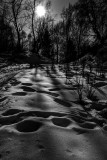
x=41 y=118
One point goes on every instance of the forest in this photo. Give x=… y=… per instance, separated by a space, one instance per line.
x=78 y=32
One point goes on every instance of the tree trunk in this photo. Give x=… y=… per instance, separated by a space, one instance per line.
x=16 y=26
x=57 y=53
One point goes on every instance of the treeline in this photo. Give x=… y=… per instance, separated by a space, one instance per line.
x=12 y=24
x=82 y=29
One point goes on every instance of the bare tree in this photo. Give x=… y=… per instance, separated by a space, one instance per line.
x=88 y=13
x=16 y=17
x=6 y=30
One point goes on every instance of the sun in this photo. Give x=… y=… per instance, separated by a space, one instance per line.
x=40 y=11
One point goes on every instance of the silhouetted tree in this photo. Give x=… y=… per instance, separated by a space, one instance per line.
x=72 y=34
x=93 y=14
x=57 y=38
x=35 y=23
x=16 y=10
x=30 y=6
x=43 y=39
x=6 y=31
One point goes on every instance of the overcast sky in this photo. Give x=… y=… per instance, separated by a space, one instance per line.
x=57 y=5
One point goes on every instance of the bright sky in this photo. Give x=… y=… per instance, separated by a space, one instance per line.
x=58 y=5
x=40 y=11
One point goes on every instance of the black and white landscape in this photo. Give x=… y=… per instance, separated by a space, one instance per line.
x=53 y=80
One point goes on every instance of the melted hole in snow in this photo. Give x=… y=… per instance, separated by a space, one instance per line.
x=26 y=84
x=27 y=89
x=11 y=112
x=62 y=122
x=19 y=94
x=28 y=126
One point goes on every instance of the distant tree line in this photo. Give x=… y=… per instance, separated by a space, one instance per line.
x=82 y=29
